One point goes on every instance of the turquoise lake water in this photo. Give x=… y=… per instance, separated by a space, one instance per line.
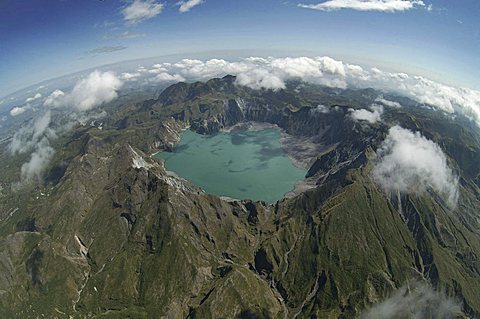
x=241 y=164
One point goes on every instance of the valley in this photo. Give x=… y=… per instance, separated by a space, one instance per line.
x=135 y=241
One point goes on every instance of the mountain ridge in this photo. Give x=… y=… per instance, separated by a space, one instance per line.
x=134 y=241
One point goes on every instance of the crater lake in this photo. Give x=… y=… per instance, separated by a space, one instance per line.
x=247 y=164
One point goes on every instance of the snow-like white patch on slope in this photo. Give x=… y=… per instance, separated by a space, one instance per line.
x=138 y=161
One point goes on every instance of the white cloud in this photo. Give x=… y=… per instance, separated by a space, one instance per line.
x=95 y=89
x=388 y=102
x=29 y=135
x=417 y=301
x=366 y=115
x=39 y=160
x=322 y=109
x=446 y=98
x=272 y=73
x=157 y=68
x=259 y=78
x=140 y=10
x=166 y=77
x=33 y=98
x=267 y=73
x=185 y=6
x=320 y=70
x=54 y=99
x=124 y=35
x=129 y=76
x=106 y=49
x=365 y=5
x=89 y=92
x=17 y=110
x=197 y=69
x=35 y=137
x=410 y=163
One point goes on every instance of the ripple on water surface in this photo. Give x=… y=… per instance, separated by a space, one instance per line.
x=240 y=164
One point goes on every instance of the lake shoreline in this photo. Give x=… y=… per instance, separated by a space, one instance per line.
x=246 y=161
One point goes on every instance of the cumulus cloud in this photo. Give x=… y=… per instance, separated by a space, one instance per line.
x=267 y=73
x=39 y=160
x=129 y=76
x=17 y=110
x=410 y=163
x=416 y=301
x=365 y=5
x=185 y=6
x=371 y=117
x=388 y=102
x=157 y=68
x=196 y=69
x=259 y=78
x=167 y=77
x=35 y=137
x=27 y=136
x=320 y=70
x=33 y=98
x=54 y=99
x=446 y=98
x=322 y=109
x=140 y=10
x=272 y=73
x=95 y=89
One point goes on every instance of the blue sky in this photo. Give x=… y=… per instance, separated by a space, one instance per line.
x=43 y=39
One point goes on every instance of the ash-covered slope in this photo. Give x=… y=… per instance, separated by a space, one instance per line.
x=112 y=234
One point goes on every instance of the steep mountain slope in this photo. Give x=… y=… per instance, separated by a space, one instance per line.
x=112 y=234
